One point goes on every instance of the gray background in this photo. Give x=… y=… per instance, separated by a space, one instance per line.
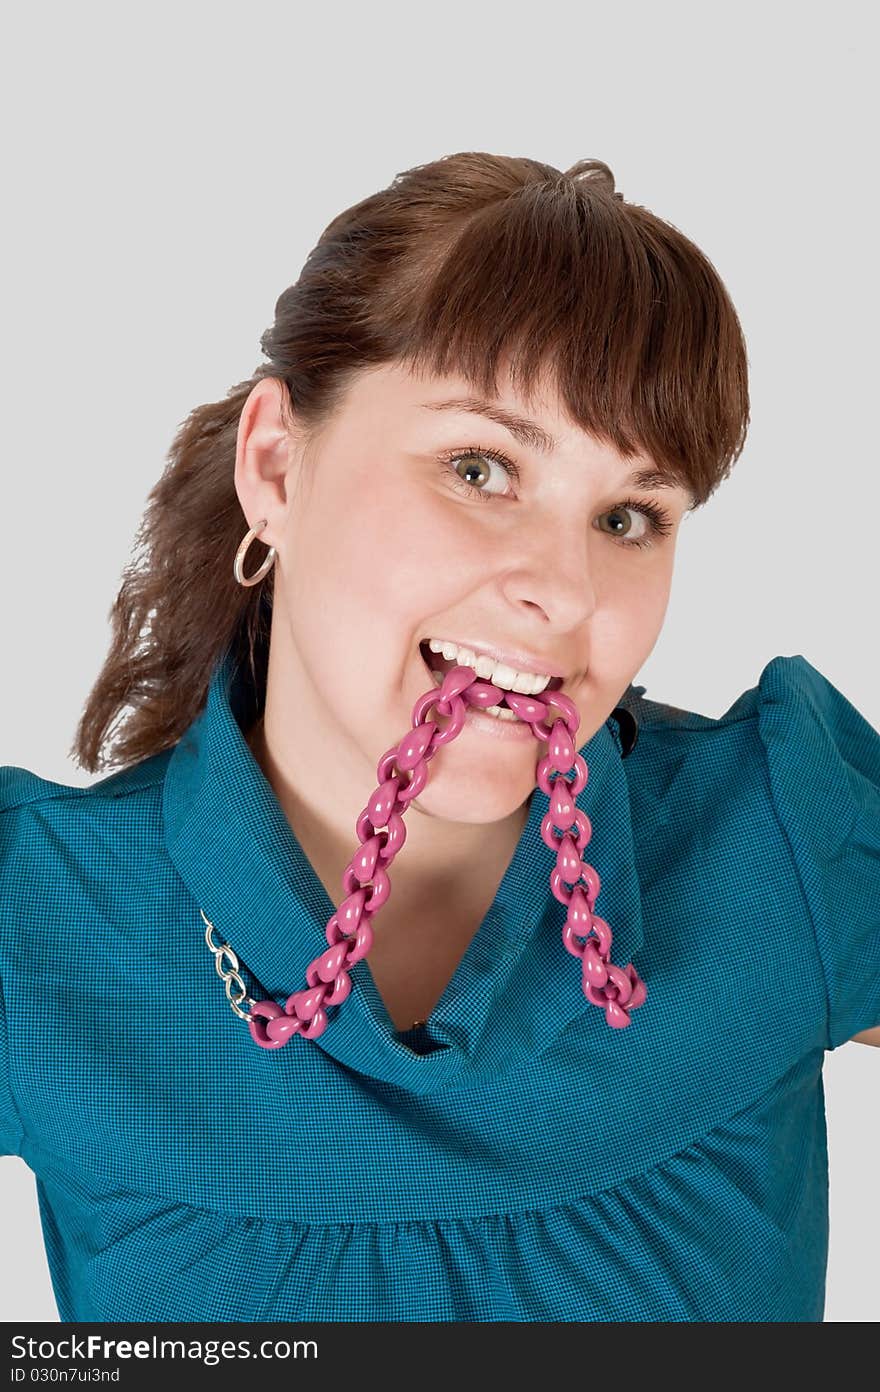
x=167 y=169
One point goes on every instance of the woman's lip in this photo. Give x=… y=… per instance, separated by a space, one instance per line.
x=431 y=674
x=520 y=662
x=556 y=679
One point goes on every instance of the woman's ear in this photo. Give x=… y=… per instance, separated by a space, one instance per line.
x=266 y=461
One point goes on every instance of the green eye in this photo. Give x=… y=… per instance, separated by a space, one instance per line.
x=659 y=522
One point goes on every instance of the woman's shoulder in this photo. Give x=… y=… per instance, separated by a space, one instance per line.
x=792 y=758
x=791 y=682
x=793 y=739
x=794 y=719
x=823 y=764
x=48 y=823
x=21 y=787
x=812 y=736
x=816 y=739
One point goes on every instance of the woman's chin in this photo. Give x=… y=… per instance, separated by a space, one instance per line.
x=479 y=811
x=462 y=788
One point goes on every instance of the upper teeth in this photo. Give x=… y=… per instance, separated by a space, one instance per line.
x=527 y=683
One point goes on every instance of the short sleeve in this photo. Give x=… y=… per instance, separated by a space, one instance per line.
x=823 y=759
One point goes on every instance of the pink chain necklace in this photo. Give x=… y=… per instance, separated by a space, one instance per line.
x=381 y=832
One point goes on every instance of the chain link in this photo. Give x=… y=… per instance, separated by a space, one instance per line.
x=231 y=977
x=573 y=881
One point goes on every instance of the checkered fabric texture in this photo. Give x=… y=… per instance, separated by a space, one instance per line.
x=516 y=1159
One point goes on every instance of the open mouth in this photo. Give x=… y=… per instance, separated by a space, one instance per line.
x=436 y=662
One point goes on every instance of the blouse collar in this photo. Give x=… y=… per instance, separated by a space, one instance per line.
x=516 y=986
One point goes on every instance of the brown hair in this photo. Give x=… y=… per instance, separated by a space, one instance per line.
x=456 y=265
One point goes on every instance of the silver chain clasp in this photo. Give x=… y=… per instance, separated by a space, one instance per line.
x=231 y=977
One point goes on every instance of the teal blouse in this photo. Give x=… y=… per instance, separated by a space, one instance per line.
x=516 y=1158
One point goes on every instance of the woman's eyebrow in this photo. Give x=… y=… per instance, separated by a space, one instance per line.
x=534 y=436
x=528 y=432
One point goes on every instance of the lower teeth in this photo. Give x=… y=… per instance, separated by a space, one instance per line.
x=500 y=712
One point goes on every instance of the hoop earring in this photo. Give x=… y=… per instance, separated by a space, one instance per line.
x=241 y=553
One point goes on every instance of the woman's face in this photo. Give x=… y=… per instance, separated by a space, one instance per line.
x=381 y=545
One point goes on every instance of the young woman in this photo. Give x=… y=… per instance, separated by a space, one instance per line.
x=412 y=964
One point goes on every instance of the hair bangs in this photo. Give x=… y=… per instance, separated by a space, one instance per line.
x=559 y=289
